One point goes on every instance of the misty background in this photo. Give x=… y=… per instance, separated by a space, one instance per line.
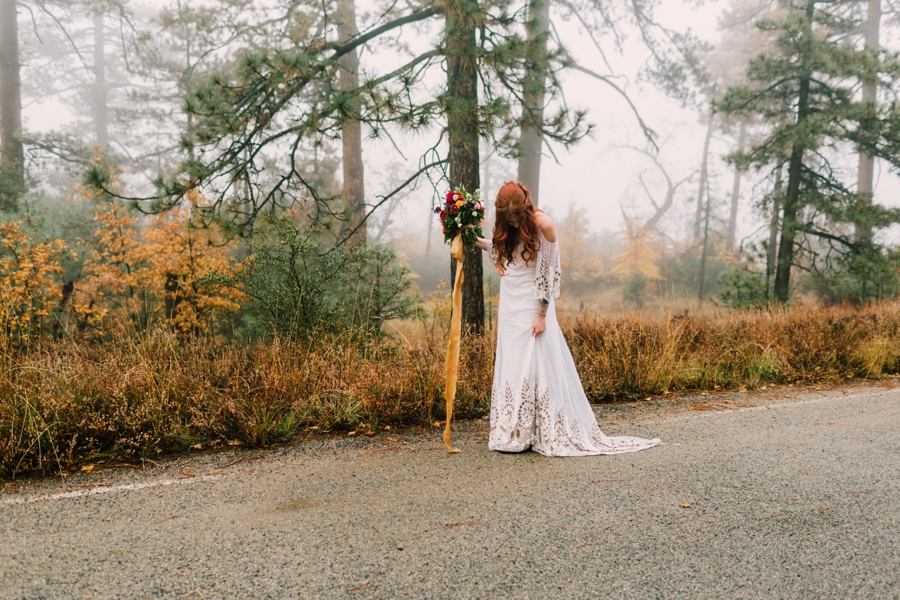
x=131 y=66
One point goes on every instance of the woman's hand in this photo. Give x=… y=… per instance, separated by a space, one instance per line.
x=539 y=325
x=501 y=270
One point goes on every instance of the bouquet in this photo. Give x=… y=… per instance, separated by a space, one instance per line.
x=462 y=213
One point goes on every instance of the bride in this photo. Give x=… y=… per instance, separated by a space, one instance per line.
x=537 y=400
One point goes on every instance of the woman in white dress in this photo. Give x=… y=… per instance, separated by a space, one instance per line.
x=537 y=400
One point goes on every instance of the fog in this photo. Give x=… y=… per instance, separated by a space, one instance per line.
x=605 y=175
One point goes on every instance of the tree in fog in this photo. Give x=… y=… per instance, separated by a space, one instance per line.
x=805 y=88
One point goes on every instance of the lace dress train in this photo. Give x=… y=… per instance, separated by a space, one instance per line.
x=537 y=400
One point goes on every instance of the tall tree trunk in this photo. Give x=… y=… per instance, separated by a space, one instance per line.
x=774 y=221
x=701 y=287
x=704 y=176
x=428 y=227
x=462 y=126
x=353 y=193
x=735 y=194
x=101 y=91
x=866 y=175
x=12 y=156
x=792 y=197
x=486 y=186
x=531 y=138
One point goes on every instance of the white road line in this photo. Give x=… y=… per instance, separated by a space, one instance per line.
x=111 y=489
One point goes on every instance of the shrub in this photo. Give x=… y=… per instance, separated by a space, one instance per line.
x=302 y=288
x=742 y=289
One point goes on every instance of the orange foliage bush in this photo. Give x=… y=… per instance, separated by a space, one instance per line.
x=161 y=272
x=28 y=283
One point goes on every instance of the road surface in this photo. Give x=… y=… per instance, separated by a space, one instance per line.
x=787 y=495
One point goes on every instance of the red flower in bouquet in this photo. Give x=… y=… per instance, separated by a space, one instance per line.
x=463 y=214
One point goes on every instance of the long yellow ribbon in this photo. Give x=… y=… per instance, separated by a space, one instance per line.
x=452 y=365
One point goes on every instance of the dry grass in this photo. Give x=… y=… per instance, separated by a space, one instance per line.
x=63 y=404
x=630 y=356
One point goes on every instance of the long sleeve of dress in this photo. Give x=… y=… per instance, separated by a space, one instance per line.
x=490 y=250
x=548 y=271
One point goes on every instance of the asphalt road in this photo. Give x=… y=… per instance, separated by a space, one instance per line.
x=795 y=497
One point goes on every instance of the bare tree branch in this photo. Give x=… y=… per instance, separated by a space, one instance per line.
x=648 y=133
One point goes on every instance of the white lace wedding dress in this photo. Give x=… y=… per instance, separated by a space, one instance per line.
x=537 y=400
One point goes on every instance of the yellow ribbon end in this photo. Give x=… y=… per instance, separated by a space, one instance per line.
x=452 y=362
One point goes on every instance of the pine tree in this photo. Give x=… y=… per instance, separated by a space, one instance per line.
x=253 y=123
x=804 y=88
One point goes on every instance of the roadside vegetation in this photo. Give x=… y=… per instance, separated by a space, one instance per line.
x=65 y=404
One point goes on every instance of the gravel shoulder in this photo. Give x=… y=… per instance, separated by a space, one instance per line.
x=786 y=493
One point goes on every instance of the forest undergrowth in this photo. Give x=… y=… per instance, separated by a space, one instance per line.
x=64 y=404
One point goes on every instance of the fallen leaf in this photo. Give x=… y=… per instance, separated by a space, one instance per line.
x=684 y=506
x=449 y=525
x=87 y=469
x=370 y=432
x=352 y=433
x=437 y=423
x=234 y=443
x=399 y=547
x=387 y=427
x=197 y=447
x=337 y=537
x=360 y=586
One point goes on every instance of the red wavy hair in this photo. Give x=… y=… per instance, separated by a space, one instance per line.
x=514 y=202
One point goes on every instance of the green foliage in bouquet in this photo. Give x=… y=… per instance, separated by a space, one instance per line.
x=462 y=212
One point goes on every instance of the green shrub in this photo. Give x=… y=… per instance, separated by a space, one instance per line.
x=302 y=288
x=741 y=288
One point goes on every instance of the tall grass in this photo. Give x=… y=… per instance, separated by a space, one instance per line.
x=62 y=404
x=630 y=356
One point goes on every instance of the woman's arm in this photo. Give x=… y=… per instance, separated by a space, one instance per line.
x=548 y=263
x=483 y=243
